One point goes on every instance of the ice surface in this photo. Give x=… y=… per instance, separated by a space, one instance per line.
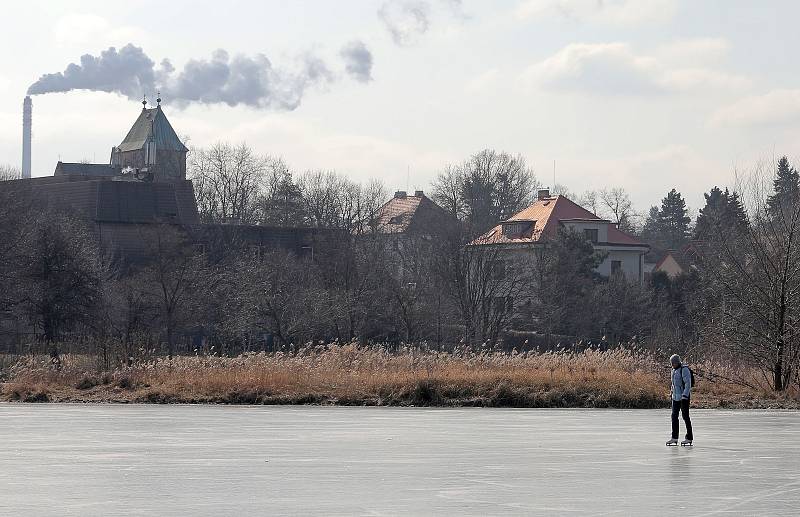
x=221 y=460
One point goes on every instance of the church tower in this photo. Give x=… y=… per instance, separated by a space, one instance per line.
x=152 y=149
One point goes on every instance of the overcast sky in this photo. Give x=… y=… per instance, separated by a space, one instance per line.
x=645 y=95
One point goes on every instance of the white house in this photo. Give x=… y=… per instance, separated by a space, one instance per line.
x=522 y=233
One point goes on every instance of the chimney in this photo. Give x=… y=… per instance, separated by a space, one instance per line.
x=544 y=193
x=419 y=193
x=27 y=113
x=400 y=194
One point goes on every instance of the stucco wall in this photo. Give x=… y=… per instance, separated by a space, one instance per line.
x=580 y=226
x=631 y=262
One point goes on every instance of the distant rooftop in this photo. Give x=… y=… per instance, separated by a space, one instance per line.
x=544 y=217
x=403 y=213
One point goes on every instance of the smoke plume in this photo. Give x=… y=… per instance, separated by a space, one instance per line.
x=406 y=20
x=357 y=60
x=129 y=72
x=239 y=80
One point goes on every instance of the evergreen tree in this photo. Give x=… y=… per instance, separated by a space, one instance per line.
x=569 y=262
x=722 y=216
x=786 y=185
x=650 y=233
x=673 y=221
x=282 y=205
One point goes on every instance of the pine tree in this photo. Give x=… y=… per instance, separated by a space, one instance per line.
x=673 y=220
x=786 y=185
x=736 y=214
x=710 y=216
x=650 y=232
x=722 y=215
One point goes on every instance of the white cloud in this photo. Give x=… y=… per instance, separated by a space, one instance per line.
x=406 y=20
x=772 y=108
x=82 y=29
x=615 y=69
x=694 y=51
x=605 y=12
x=483 y=82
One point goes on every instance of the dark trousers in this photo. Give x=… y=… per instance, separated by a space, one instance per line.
x=681 y=406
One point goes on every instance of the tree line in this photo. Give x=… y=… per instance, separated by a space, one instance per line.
x=738 y=296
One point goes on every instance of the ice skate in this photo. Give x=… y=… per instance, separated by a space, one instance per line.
x=673 y=442
x=686 y=443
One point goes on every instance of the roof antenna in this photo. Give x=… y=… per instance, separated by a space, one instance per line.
x=158 y=100
x=144 y=101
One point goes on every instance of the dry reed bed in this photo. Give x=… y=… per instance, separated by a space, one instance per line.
x=353 y=375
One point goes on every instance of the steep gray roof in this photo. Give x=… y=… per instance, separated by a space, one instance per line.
x=152 y=123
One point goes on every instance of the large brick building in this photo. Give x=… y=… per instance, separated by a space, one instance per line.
x=144 y=184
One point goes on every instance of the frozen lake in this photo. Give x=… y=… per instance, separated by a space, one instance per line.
x=87 y=460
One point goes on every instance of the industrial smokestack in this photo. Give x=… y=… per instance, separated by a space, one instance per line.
x=27 y=124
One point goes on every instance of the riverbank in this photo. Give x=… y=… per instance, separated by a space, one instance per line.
x=352 y=375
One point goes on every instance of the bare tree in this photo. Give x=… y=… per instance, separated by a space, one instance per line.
x=7 y=172
x=16 y=215
x=618 y=203
x=487 y=188
x=482 y=283
x=559 y=189
x=174 y=277
x=754 y=283
x=589 y=200
x=285 y=297
x=132 y=310
x=413 y=286
x=321 y=195
x=227 y=181
x=62 y=276
x=333 y=201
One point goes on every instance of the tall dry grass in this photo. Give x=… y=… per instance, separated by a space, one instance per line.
x=350 y=374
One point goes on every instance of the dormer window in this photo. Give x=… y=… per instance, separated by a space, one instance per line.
x=516 y=228
x=591 y=235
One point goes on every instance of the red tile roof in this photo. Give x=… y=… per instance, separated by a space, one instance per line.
x=401 y=214
x=547 y=213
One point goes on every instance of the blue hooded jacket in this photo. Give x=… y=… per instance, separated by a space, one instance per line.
x=681 y=383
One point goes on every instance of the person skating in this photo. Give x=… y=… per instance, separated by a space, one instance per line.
x=681 y=396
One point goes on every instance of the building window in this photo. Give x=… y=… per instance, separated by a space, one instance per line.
x=616 y=266
x=516 y=228
x=591 y=235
